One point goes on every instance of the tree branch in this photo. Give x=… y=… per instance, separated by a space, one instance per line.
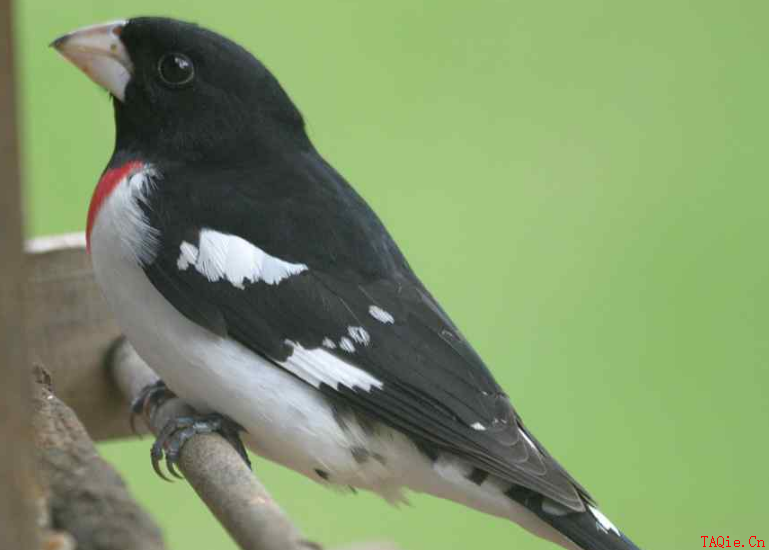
x=86 y=498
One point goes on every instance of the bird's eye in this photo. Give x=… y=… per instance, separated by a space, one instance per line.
x=176 y=69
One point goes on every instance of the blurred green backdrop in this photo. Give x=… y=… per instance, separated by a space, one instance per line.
x=582 y=184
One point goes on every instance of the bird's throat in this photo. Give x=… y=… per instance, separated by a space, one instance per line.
x=107 y=184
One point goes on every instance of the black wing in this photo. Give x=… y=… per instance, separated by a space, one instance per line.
x=435 y=388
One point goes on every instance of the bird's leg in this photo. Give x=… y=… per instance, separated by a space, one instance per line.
x=179 y=430
x=149 y=398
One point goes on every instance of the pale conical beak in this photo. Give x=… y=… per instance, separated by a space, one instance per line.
x=100 y=54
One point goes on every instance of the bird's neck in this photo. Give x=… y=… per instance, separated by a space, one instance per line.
x=110 y=179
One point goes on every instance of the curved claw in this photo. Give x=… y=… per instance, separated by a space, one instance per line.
x=236 y=442
x=175 y=443
x=171 y=468
x=229 y=430
x=156 y=455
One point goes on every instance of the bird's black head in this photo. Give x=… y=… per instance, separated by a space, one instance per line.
x=185 y=93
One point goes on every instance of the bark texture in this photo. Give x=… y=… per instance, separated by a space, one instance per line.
x=86 y=497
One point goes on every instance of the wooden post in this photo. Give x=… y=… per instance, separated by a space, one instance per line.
x=17 y=484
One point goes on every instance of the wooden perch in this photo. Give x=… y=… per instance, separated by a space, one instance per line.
x=70 y=330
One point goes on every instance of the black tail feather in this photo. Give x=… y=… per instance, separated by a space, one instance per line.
x=583 y=528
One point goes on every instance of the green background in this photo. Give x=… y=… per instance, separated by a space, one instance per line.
x=582 y=184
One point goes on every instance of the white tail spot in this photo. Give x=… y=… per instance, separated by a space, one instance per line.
x=603 y=521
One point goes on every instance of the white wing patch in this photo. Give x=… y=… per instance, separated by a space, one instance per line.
x=478 y=427
x=346 y=344
x=603 y=522
x=188 y=256
x=317 y=366
x=381 y=315
x=329 y=343
x=359 y=334
x=222 y=256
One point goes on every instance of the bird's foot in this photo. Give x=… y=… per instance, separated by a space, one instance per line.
x=178 y=431
x=149 y=398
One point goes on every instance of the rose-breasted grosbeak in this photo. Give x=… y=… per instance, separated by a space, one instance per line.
x=254 y=279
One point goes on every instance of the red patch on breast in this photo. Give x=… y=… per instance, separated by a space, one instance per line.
x=109 y=180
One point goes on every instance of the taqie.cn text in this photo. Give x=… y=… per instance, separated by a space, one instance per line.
x=724 y=542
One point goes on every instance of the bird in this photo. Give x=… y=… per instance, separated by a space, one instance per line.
x=267 y=294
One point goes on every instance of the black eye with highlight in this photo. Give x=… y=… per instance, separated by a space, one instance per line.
x=176 y=70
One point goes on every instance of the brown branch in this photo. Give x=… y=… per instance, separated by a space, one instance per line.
x=215 y=470
x=86 y=498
